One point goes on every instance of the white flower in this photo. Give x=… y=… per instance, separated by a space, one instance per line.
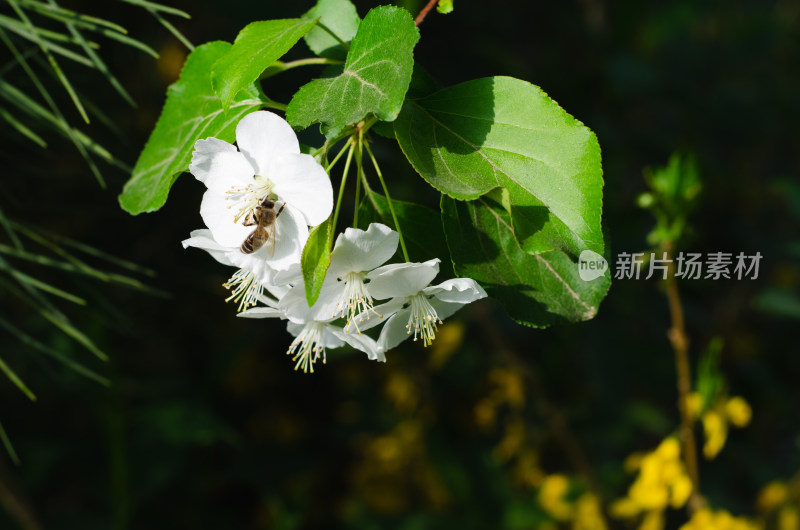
x=415 y=305
x=267 y=164
x=354 y=259
x=313 y=331
x=254 y=274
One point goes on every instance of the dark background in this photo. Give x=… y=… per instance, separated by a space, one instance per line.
x=207 y=426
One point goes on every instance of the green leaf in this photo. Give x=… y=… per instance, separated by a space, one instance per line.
x=14 y=378
x=158 y=7
x=499 y=131
x=22 y=129
x=422 y=84
x=258 y=45
x=55 y=354
x=192 y=112
x=315 y=260
x=779 y=302
x=340 y=18
x=444 y=6
x=7 y=444
x=535 y=290
x=710 y=382
x=374 y=81
x=422 y=228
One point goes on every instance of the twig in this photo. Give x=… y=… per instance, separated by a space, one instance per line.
x=680 y=344
x=424 y=12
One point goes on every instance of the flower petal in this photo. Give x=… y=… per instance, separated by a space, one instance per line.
x=394 y=332
x=270 y=302
x=283 y=280
x=360 y=342
x=205 y=149
x=260 y=312
x=291 y=234
x=263 y=137
x=445 y=309
x=402 y=279
x=303 y=184
x=203 y=239
x=457 y=290
x=213 y=145
x=359 y=251
x=295 y=305
x=221 y=170
x=219 y=219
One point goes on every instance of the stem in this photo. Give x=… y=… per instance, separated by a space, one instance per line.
x=341 y=152
x=334 y=35
x=389 y=201
x=424 y=12
x=341 y=192
x=279 y=66
x=330 y=142
x=359 y=175
x=680 y=344
x=274 y=104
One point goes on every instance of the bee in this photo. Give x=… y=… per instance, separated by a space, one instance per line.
x=263 y=217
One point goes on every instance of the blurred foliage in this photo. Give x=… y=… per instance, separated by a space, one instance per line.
x=495 y=426
x=35 y=260
x=674 y=193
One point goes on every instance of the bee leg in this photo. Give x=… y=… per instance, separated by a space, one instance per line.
x=250 y=219
x=280 y=210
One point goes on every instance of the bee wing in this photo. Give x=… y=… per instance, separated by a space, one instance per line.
x=270 y=243
x=273 y=232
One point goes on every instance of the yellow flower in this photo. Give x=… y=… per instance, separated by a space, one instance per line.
x=788 y=518
x=706 y=519
x=669 y=449
x=588 y=513
x=401 y=392
x=681 y=490
x=624 y=508
x=715 y=420
x=552 y=497
x=716 y=431
x=701 y=520
x=738 y=411
x=449 y=340
x=527 y=470
x=694 y=405
x=771 y=496
x=662 y=482
x=653 y=521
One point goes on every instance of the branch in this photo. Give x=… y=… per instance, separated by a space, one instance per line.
x=680 y=344
x=424 y=12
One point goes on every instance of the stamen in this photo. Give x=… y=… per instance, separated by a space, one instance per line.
x=423 y=318
x=246 y=289
x=244 y=199
x=307 y=347
x=355 y=300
